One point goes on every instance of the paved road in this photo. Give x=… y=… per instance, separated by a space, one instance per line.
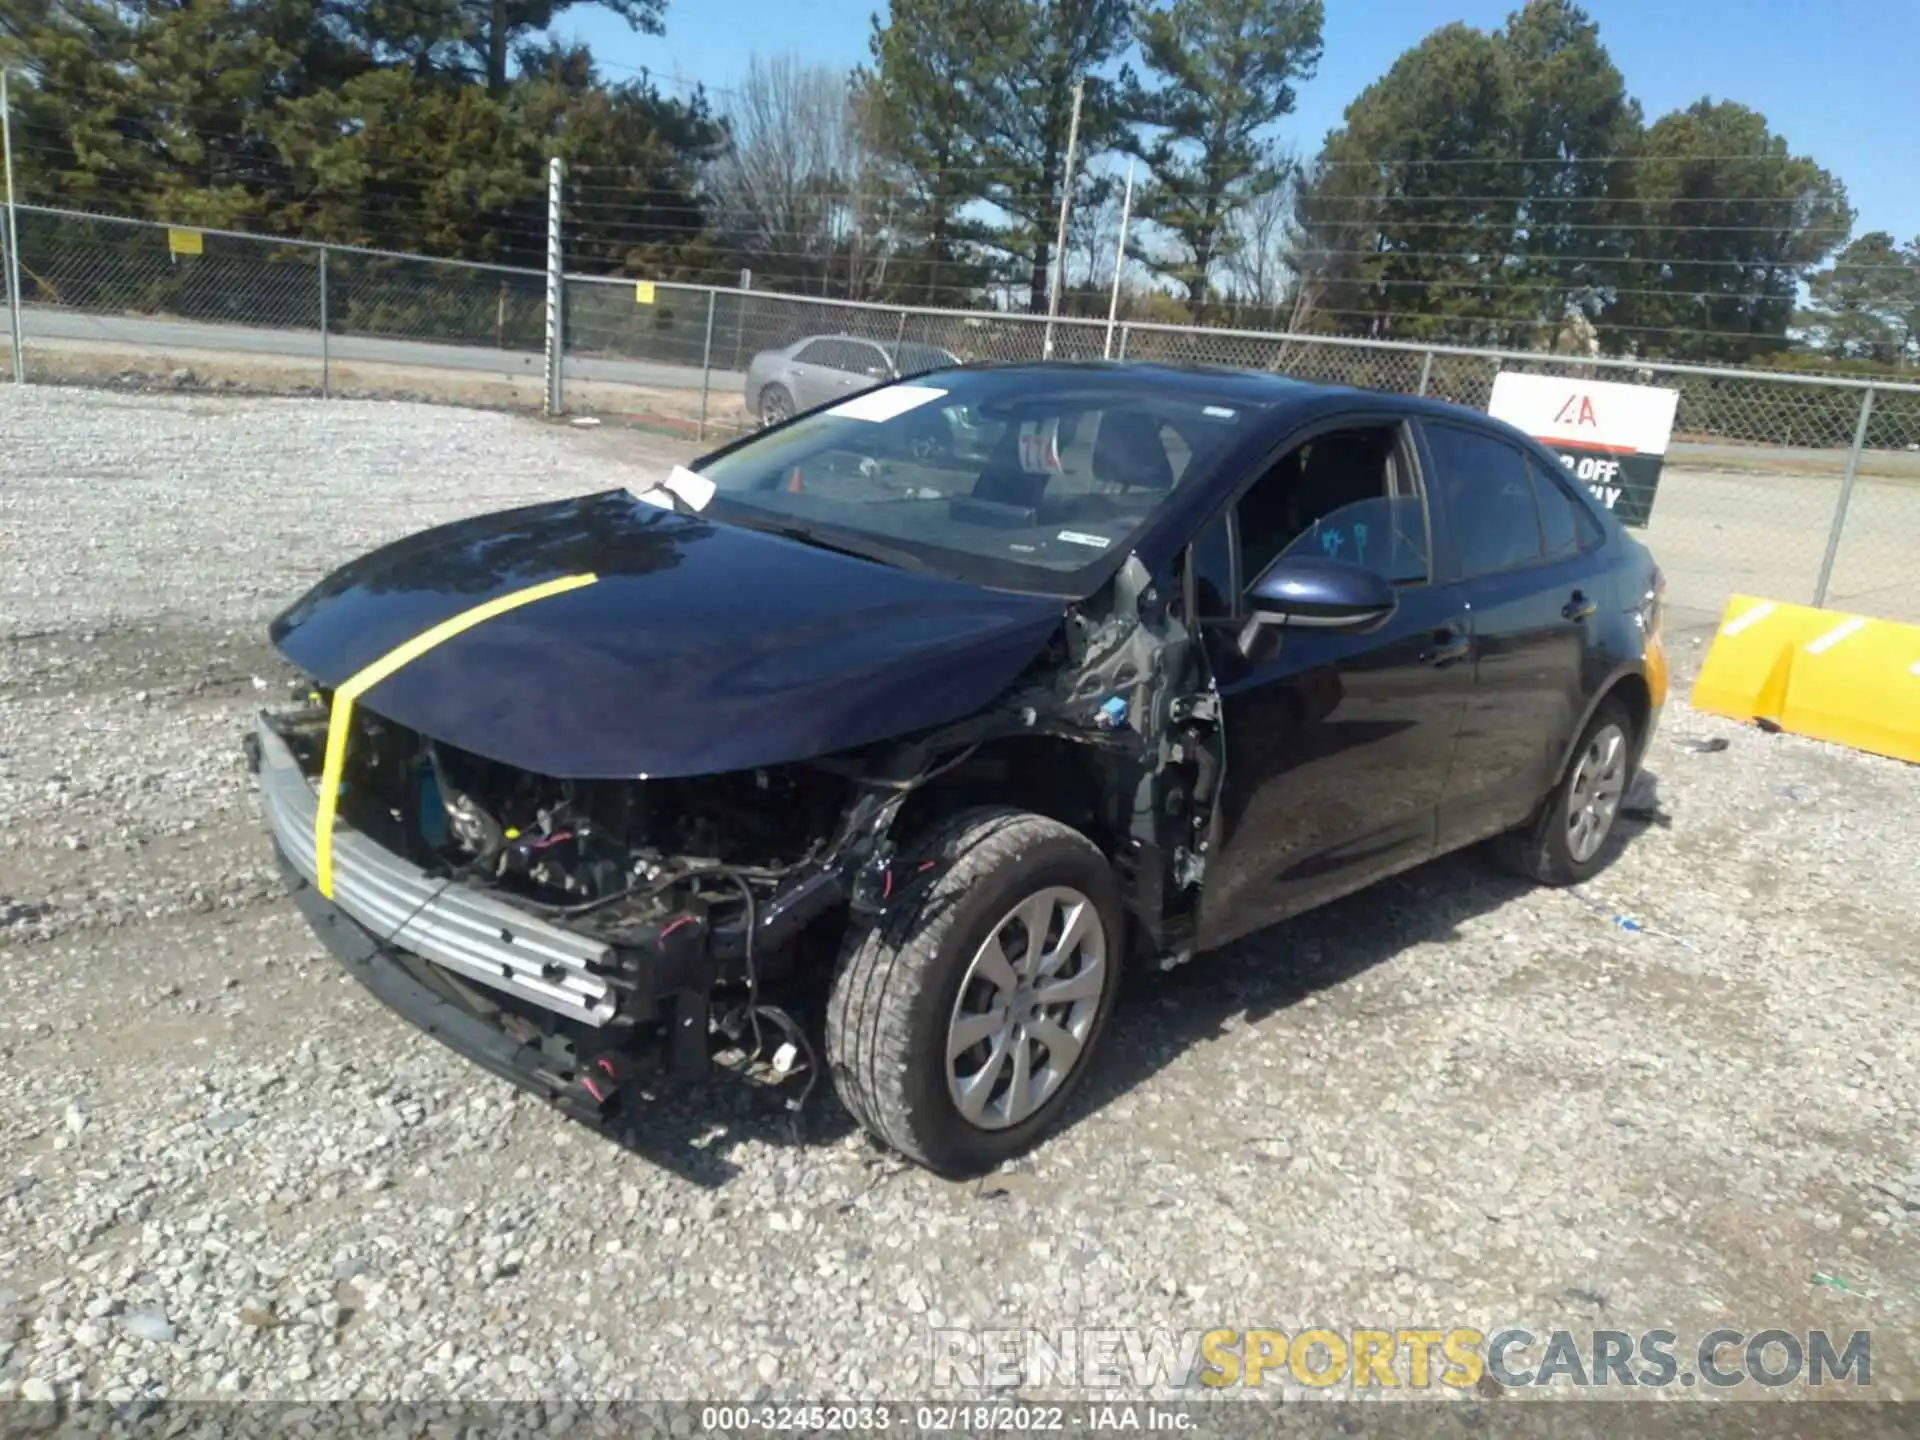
x=167 y=335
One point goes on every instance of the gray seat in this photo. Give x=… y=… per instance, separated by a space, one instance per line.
x=1129 y=452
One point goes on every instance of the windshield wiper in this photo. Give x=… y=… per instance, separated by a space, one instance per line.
x=859 y=549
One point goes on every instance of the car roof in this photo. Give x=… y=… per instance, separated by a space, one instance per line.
x=1264 y=389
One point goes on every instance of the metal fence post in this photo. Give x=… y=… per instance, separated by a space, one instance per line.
x=900 y=335
x=1846 y=495
x=706 y=362
x=556 y=285
x=1426 y=371
x=1125 y=330
x=326 y=345
x=13 y=236
x=740 y=319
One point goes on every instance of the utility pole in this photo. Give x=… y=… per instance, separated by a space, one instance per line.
x=13 y=235
x=1119 y=262
x=1066 y=204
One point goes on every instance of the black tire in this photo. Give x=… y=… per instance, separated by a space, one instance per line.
x=895 y=993
x=775 y=406
x=1544 y=849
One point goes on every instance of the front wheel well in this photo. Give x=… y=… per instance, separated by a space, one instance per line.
x=1045 y=775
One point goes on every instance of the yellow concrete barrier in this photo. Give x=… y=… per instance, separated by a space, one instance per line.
x=1825 y=674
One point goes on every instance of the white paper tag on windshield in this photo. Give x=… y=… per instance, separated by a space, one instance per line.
x=694 y=489
x=1040 y=447
x=691 y=486
x=1080 y=537
x=879 y=405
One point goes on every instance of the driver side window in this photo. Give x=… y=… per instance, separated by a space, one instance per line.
x=1344 y=494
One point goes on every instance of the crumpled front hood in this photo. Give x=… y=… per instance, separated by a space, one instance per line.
x=701 y=646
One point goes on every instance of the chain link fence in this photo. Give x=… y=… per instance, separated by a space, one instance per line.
x=1795 y=487
x=107 y=299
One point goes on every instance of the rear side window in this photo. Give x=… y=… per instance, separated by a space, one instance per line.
x=913 y=359
x=846 y=355
x=1483 y=484
x=1559 y=513
x=1589 y=533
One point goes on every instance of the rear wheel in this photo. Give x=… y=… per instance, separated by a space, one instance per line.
x=776 y=405
x=960 y=1024
x=1565 y=841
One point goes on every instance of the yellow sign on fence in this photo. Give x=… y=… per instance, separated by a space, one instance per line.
x=186 y=242
x=643 y=292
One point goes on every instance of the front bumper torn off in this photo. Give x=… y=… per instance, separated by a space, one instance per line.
x=393 y=903
x=360 y=952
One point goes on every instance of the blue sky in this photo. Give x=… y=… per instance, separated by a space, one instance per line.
x=1833 y=76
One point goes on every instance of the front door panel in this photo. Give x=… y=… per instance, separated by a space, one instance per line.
x=1337 y=750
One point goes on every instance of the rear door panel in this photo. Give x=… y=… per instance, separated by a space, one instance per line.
x=1529 y=663
x=813 y=376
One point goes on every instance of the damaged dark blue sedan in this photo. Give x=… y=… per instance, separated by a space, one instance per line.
x=939 y=738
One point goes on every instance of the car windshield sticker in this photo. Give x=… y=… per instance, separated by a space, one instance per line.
x=1040 y=447
x=879 y=405
x=1075 y=537
x=694 y=489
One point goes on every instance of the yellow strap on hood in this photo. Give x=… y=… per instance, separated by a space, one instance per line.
x=358 y=684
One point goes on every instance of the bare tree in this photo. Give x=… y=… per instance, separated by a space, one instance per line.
x=798 y=190
x=1258 y=274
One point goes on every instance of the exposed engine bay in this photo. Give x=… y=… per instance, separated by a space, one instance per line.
x=609 y=857
x=719 y=896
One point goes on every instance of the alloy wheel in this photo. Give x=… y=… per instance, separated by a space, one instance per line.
x=1593 y=799
x=1026 y=1007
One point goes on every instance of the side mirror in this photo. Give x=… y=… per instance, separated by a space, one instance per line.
x=1319 y=592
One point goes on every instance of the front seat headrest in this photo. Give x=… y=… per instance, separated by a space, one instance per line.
x=1128 y=451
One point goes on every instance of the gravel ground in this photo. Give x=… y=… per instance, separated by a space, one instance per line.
x=1452 y=1101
